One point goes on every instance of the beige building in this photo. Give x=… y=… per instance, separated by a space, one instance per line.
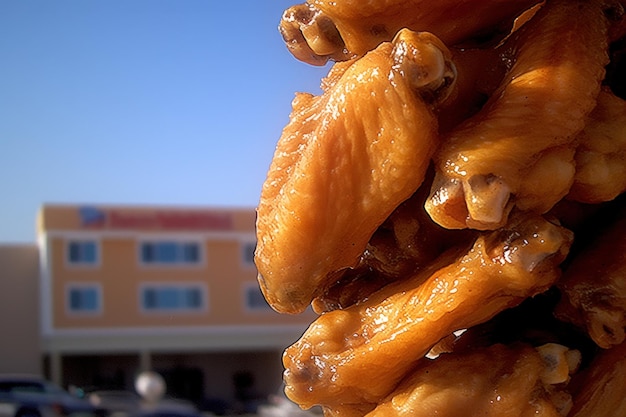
x=19 y=309
x=126 y=289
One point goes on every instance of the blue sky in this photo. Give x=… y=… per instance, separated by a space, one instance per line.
x=140 y=102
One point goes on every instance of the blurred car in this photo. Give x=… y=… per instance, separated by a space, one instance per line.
x=13 y=408
x=167 y=413
x=121 y=403
x=34 y=396
x=115 y=402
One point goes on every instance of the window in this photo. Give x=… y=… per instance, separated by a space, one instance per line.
x=84 y=298
x=170 y=253
x=247 y=253
x=174 y=297
x=254 y=299
x=82 y=252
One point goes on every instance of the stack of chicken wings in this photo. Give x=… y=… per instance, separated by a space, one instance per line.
x=452 y=207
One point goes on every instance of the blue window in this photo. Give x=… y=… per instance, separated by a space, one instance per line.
x=170 y=252
x=84 y=299
x=82 y=252
x=247 y=253
x=173 y=298
x=254 y=299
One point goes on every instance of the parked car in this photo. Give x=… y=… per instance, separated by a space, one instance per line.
x=34 y=396
x=115 y=402
x=166 y=413
x=12 y=408
x=121 y=403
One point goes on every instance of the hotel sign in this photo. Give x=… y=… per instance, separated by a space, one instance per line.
x=98 y=218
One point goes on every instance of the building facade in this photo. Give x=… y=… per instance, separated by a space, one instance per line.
x=19 y=309
x=128 y=289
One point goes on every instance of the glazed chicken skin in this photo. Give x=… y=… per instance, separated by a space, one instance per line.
x=365 y=143
x=558 y=64
x=539 y=195
x=320 y=30
x=495 y=381
x=356 y=356
x=601 y=153
x=407 y=241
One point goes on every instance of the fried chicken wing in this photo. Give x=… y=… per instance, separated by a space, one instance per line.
x=601 y=155
x=344 y=162
x=558 y=61
x=320 y=29
x=594 y=287
x=358 y=355
x=496 y=381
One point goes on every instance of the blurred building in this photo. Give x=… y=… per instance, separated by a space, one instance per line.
x=126 y=289
x=20 y=349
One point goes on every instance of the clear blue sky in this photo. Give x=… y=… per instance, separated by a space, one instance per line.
x=142 y=102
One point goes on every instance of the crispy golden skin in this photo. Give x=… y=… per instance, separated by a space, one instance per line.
x=496 y=381
x=357 y=356
x=538 y=194
x=601 y=154
x=594 y=287
x=344 y=162
x=558 y=64
x=320 y=29
x=600 y=390
x=406 y=242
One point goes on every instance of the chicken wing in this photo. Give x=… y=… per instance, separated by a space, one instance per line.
x=558 y=61
x=497 y=381
x=320 y=29
x=358 y=355
x=344 y=162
